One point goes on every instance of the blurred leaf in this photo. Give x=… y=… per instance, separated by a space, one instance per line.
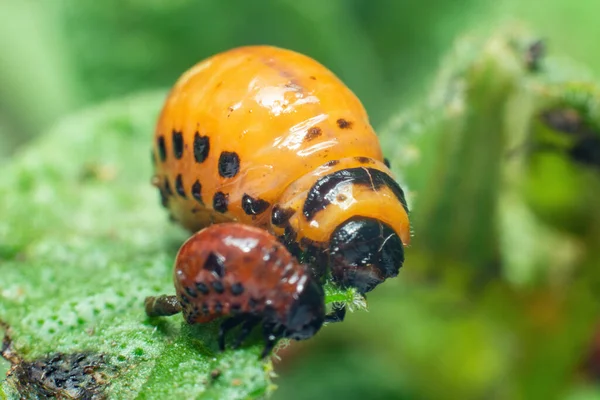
x=498 y=297
x=482 y=188
x=117 y=46
x=450 y=152
x=35 y=81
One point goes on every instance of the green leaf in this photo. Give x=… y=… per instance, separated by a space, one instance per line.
x=503 y=212
x=83 y=240
x=451 y=149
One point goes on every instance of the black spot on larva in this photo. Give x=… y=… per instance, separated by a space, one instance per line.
x=237 y=289
x=201 y=147
x=168 y=190
x=218 y=286
x=324 y=191
x=363 y=160
x=197 y=191
x=177 y=144
x=162 y=150
x=229 y=164
x=332 y=163
x=214 y=263
x=235 y=307
x=280 y=216
x=220 y=202
x=202 y=288
x=190 y=292
x=179 y=186
x=218 y=307
x=386 y=162
x=312 y=133
x=253 y=206
x=204 y=308
x=344 y=124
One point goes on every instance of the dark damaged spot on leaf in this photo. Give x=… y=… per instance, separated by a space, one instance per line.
x=65 y=376
x=72 y=376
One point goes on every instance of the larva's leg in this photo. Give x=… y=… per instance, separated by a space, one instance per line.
x=162 y=306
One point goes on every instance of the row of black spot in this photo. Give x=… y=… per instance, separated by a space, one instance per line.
x=201 y=146
x=228 y=166
x=236 y=289
x=229 y=162
x=214 y=264
x=250 y=205
x=217 y=308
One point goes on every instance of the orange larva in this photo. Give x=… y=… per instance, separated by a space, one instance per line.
x=271 y=138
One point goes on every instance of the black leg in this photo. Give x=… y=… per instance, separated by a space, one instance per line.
x=226 y=326
x=337 y=314
x=271 y=336
x=247 y=327
x=162 y=306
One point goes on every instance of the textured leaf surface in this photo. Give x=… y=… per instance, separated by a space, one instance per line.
x=82 y=241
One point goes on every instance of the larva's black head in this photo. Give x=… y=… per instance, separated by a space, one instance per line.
x=307 y=314
x=363 y=252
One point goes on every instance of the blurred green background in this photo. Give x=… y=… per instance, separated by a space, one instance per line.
x=62 y=55
x=462 y=331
